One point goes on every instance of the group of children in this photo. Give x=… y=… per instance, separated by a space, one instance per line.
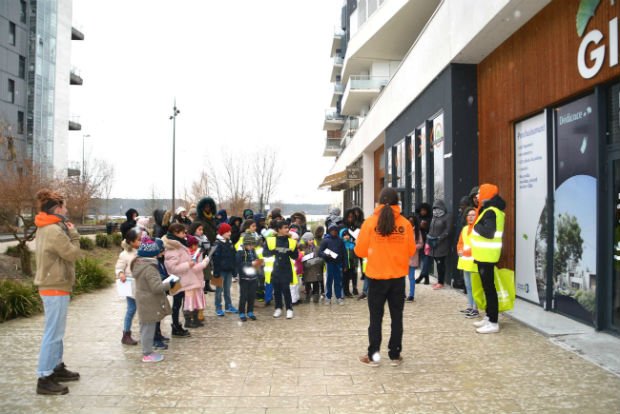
x=278 y=263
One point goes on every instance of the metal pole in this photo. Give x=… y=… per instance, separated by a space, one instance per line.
x=175 y=112
x=83 y=162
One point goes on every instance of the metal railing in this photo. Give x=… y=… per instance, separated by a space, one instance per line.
x=333 y=115
x=368 y=82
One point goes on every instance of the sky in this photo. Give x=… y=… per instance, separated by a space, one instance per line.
x=245 y=75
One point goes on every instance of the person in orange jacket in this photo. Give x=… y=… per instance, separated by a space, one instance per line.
x=386 y=239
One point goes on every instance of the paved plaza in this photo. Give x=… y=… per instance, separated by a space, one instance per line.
x=306 y=365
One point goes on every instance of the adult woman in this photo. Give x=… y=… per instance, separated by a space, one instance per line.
x=57 y=249
x=438 y=239
x=386 y=239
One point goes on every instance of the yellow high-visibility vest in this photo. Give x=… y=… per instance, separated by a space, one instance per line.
x=488 y=250
x=467 y=262
x=270 y=260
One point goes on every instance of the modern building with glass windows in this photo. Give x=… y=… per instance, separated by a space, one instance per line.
x=523 y=94
x=35 y=76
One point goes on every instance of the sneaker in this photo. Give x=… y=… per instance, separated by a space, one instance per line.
x=490 y=327
x=242 y=317
x=362 y=296
x=232 y=309
x=157 y=344
x=365 y=359
x=473 y=314
x=219 y=312
x=277 y=313
x=468 y=310
x=235 y=279
x=481 y=323
x=396 y=362
x=162 y=338
x=62 y=374
x=437 y=286
x=179 y=332
x=154 y=357
x=47 y=386
x=251 y=316
x=409 y=298
x=340 y=301
x=327 y=301
x=289 y=314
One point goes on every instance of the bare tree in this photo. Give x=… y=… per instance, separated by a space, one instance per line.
x=198 y=189
x=266 y=173
x=19 y=184
x=153 y=202
x=106 y=186
x=80 y=191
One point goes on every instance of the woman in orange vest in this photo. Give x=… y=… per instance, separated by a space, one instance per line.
x=386 y=239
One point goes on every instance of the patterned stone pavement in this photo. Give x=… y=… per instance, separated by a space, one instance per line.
x=306 y=365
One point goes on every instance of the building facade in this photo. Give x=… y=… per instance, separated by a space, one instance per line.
x=520 y=94
x=35 y=77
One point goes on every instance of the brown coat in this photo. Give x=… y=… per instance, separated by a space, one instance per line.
x=153 y=305
x=57 y=249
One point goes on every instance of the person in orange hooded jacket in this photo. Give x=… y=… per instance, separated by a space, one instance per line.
x=386 y=240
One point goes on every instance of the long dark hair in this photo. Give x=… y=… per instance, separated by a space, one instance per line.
x=389 y=198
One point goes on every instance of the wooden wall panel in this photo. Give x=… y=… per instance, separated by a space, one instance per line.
x=534 y=68
x=379 y=172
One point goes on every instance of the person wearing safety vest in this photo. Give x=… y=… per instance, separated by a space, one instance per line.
x=486 y=248
x=283 y=250
x=466 y=261
x=386 y=239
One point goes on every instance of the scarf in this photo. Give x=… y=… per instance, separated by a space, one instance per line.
x=171 y=236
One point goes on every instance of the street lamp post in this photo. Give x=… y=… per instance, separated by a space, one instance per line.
x=175 y=112
x=83 y=163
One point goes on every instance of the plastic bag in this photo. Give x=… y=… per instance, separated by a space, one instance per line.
x=504 y=285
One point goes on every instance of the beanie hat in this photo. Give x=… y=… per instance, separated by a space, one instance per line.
x=307 y=236
x=148 y=248
x=160 y=244
x=248 y=213
x=179 y=210
x=249 y=239
x=294 y=235
x=223 y=228
x=191 y=240
x=143 y=222
x=332 y=227
x=192 y=211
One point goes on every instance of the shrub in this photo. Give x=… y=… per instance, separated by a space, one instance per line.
x=117 y=238
x=103 y=240
x=18 y=299
x=86 y=243
x=12 y=251
x=90 y=275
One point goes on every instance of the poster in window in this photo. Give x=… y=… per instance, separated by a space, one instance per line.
x=530 y=206
x=575 y=207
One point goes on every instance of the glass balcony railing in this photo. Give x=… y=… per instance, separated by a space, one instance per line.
x=338 y=88
x=368 y=82
x=333 y=115
x=338 y=60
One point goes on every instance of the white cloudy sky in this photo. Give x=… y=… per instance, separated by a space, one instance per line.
x=245 y=74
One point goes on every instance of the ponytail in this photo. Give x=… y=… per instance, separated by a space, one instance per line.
x=389 y=198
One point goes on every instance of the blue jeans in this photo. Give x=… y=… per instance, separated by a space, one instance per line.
x=334 y=277
x=55 y=308
x=425 y=262
x=227 y=279
x=365 y=286
x=411 y=281
x=470 y=295
x=268 y=292
x=131 y=311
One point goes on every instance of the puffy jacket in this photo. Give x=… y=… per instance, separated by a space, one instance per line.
x=336 y=245
x=224 y=259
x=440 y=229
x=151 y=300
x=388 y=256
x=177 y=260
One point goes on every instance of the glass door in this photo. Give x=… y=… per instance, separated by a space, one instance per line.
x=615 y=211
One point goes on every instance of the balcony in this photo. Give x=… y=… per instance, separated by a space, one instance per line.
x=338 y=91
x=332 y=147
x=336 y=67
x=75 y=78
x=74 y=124
x=333 y=120
x=337 y=40
x=361 y=91
x=76 y=34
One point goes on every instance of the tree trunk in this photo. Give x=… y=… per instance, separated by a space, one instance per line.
x=24 y=255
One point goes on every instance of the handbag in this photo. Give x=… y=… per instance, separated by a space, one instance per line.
x=427 y=249
x=504 y=285
x=217 y=281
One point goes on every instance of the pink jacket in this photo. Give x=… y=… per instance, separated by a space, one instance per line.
x=414 y=261
x=177 y=259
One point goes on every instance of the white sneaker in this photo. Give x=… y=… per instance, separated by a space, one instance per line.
x=488 y=328
x=277 y=313
x=340 y=301
x=289 y=314
x=327 y=301
x=481 y=323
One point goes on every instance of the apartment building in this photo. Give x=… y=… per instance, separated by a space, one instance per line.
x=35 y=77
x=434 y=97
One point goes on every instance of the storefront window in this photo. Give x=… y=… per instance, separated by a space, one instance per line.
x=400 y=164
x=388 y=168
x=411 y=163
x=437 y=141
x=421 y=138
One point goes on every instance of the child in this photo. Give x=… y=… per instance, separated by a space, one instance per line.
x=194 y=301
x=247 y=269
x=318 y=238
x=179 y=262
x=159 y=341
x=299 y=269
x=466 y=262
x=414 y=261
x=283 y=250
x=197 y=230
x=151 y=298
x=224 y=267
x=335 y=262
x=312 y=267
x=123 y=272
x=349 y=271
